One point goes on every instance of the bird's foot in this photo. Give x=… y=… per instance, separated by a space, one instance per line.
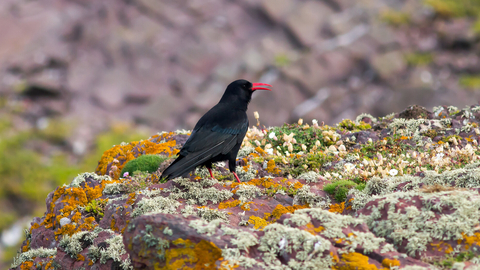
x=236 y=176
x=210 y=171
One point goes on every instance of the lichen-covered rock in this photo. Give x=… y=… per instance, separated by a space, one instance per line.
x=307 y=239
x=403 y=193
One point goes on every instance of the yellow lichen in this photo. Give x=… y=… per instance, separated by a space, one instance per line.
x=355 y=261
x=258 y=223
x=337 y=208
x=271 y=168
x=228 y=204
x=471 y=240
x=388 y=263
x=311 y=229
x=26 y=265
x=280 y=210
x=188 y=255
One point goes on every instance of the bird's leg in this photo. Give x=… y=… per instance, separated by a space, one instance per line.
x=236 y=176
x=211 y=174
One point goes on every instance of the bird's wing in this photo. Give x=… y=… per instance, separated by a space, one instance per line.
x=205 y=143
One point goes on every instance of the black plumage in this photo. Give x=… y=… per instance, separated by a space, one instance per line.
x=218 y=135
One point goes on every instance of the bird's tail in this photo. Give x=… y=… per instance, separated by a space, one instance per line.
x=183 y=165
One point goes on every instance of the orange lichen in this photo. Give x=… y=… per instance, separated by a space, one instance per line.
x=80 y=257
x=355 y=261
x=271 y=168
x=188 y=255
x=34 y=226
x=225 y=265
x=228 y=204
x=471 y=240
x=390 y=262
x=25 y=248
x=26 y=265
x=443 y=247
x=297 y=185
x=131 y=198
x=246 y=206
x=280 y=210
x=311 y=229
x=258 y=223
x=260 y=151
x=125 y=153
x=337 y=208
x=49 y=264
x=112 y=225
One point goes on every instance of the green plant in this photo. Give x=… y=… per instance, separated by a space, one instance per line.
x=339 y=189
x=144 y=163
x=96 y=207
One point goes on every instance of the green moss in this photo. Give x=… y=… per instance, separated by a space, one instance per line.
x=470 y=81
x=348 y=124
x=395 y=18
x=455 y=8
x=144 y=163
x=339 y=189
x=419 y=59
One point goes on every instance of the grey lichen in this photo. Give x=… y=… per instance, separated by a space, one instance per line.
x=31 y=254
x=83 y=176
x=245 y=151
x=168 y=231
x=244 y=240
x=309 y=177
x=304 y=196
x=365 y=115
x=115 y=250
x=199 y=192
x=247 y=175
x=72 y=245
x=247 y=193
x=420 y=226
x=155 y=205
x=208 y=214
x=204 y=227
x=114 y=188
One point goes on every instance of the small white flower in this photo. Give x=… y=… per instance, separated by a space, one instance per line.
x=271 y=135
x=439 y=156
x=269 y=151
x=317 y=245
x=393 y=172
x=348 y=166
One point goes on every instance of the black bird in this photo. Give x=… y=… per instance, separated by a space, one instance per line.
x=218 y=135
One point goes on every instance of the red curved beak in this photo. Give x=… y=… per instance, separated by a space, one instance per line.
x=259 y=86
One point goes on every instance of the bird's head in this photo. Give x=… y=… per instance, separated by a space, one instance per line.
x=240 y=91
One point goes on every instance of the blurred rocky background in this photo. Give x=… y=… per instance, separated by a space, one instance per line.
x=77 y=76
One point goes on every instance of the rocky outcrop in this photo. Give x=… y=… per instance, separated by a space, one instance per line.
x=400 y=192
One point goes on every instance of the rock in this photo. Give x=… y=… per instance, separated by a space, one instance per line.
x=389 y=64
x=306 y=21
